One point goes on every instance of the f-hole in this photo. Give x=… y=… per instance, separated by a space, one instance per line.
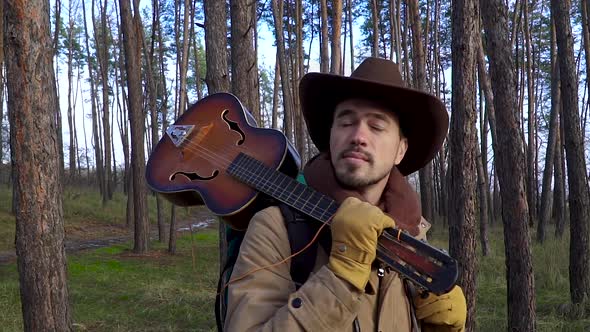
x=234 y=126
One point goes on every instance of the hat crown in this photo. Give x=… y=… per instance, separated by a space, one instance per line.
x=379 y=71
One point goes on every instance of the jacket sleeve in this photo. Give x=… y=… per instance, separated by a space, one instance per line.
x=262 y=296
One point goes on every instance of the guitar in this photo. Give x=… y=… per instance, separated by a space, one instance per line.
x=214 y=155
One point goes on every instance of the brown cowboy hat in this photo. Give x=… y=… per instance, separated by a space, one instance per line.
x=423 y=117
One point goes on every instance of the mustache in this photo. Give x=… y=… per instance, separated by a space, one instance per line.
x=356 y=150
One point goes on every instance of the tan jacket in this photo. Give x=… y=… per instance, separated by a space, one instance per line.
x=266 y=300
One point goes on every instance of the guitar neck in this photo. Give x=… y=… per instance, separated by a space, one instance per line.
x=425 y=265
x=283 y=188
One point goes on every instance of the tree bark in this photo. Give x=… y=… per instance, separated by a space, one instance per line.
x=532 y=182
x=277 y=9
x=95 y=131
x=217 y=77
x=552 y=142
x=559 y=179
x=32 y=98
x=336 y=54
x=509 y=151
x=71 y=116
x=216 y=55
x=100 y=35
x=149 y=54
x=419 y=66
x=579 y=199
x=375 y=29
x=243 y=57
x=463 y=149
x=131 y=27
x=324 y=39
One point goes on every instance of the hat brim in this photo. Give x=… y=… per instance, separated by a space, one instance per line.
x=423 y=117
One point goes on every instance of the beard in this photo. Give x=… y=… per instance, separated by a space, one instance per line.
x=352 y=177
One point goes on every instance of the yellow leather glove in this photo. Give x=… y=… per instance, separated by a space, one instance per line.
x=446 y=312
x=355 y=229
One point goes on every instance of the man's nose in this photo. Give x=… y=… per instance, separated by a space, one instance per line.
x=359 y=135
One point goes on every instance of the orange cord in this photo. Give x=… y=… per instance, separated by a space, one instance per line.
x=274 y=264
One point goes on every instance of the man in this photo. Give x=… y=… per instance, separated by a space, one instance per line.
x=371 y=132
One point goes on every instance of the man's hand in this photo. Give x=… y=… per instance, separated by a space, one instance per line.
x=446 y=312
x=355 y=229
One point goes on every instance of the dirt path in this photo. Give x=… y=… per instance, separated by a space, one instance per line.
x=100 y=235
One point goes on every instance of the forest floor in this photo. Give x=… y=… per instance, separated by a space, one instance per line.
x=93 y=235
x=87 y=226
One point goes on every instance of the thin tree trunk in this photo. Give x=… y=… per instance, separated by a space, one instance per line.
x=419 y=66
x=71 y=116
x=509 y=151
x=579 y=199
x=217 y=77
x=244 y=70
x=463 y=148
x=324 y=39
x=275 y=94
x=131 y=27
x=552 y=141
x=350 y=32
x=100 y=34
x=532 y=182
x=559 y=187
x=32 y=95
x=149 y=54
x=284 y=70
x=375 y=29
x=95 y=137
x=336 y=54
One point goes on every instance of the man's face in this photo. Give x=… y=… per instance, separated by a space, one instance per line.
x=365 y=143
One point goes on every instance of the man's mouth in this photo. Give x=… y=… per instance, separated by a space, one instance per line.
x=359 y=155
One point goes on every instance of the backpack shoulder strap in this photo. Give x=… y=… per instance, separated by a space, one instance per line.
x=301 y=231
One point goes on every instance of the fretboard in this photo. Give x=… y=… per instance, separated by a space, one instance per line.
x=282 y=187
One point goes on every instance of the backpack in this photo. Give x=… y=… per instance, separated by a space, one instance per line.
x=300 y=229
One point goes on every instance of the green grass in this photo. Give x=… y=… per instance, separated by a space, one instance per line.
x=83 y=212
x=550 y=264
x=113 y=290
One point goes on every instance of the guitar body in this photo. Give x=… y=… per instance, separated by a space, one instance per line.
x=188 y=166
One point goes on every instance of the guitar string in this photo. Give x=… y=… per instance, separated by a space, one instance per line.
x=214 y=157
x=196 y=147
x=211 y=156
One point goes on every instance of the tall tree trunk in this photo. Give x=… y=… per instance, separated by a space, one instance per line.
x=419 y=65
x=216 y=45
x=149 y=54
x=217 y=77
x=579 y=199
x=275 y=94
x=552 y=141
x=482 y=197
x=559 y=187
x=509 y=152
x=532 y=182
x=32 y=96
x=336 y=54
x=100 y=35
x=243 y=64
x=95 y=137
x=489 y=119
x=72 y=148
x=277 y=9
x=463 y=146
x=182 y=97
x=350 y=33
x=324 y=39
x=374 y=28
x=131 y=27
